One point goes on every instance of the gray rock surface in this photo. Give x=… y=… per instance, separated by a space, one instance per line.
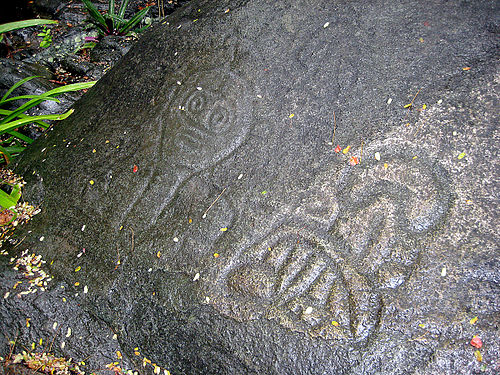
x=194 y=205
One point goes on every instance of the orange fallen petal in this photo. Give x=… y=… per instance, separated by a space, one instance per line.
x=476 y=342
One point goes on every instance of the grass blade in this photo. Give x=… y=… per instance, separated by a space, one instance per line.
x=4 y=128
x=57 y=91
x=39 y=122
x=21 y=136
x=71 y=87
x=15 y=86
x=28 y=97
x=26 y=23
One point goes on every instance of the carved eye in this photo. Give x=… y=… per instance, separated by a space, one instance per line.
x=219 y=118
x=195 y=103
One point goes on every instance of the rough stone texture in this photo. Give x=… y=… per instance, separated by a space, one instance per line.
x=399 y=252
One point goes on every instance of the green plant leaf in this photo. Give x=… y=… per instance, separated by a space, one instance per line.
x=6 y=127
x=7 y=156
x=71 y=87
x=34 y=102
x=111 y=13
x=15 y=86
x=94 y=14
x=111 y=7
x=39 y=122
x=123 y=7
x=6 y=200
x=28 y=97
x=130 y=24
x=5 y=27
x=21 y=136
x=15 y=149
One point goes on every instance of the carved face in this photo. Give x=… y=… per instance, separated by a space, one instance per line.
x=207 y=117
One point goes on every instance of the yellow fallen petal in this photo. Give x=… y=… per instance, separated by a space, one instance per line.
x=223 y=229
x=473 y=320
x=91 y=182
x=346 y=150
x=334 y=323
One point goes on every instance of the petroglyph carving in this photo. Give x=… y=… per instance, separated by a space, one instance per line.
x=386 y=210
x=201 y=120
x=330 y=263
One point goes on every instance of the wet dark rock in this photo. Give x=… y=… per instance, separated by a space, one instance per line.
x=110 y=49
x=76 y=65
x=222 y=232
x=50 y=7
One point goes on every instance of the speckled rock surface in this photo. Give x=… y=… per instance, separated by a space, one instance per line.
x=195 y=205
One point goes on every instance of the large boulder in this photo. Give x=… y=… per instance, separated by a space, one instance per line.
x=197 y=212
